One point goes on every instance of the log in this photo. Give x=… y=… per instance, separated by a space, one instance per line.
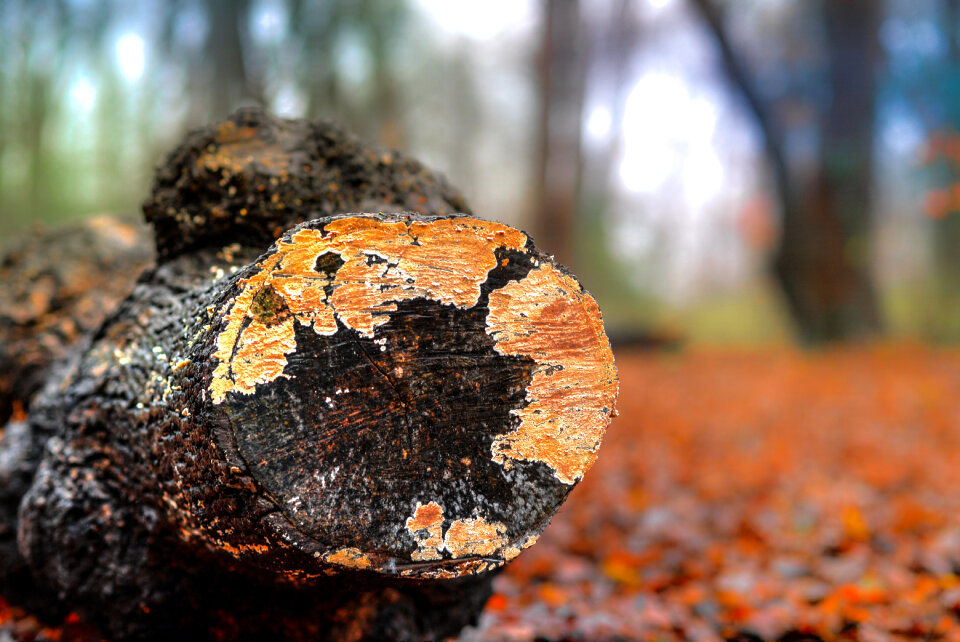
x=56 y=287
x=344 y=437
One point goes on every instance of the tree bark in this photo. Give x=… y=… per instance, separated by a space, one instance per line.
x=341 y=438
x=56 y=287
x=952 y=20
x=561 y=71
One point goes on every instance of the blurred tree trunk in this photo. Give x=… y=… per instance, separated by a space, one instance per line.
x=952 y=21
x=561 y=71
x=316 y=26
x=38 y=107
x=230 y=82
x=612 y=48
x=823 y=262
x=466 y=121
x=943 y=316
x=383 y=19
x=824 y=258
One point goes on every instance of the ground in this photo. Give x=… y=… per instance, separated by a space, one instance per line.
x=750 y=495
x=757 y=495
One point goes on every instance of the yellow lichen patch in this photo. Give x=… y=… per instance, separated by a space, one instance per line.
x=379 y=263
x=349 y=557
x=510 y=552
x=467 y=537
x=547 y=316
x=427 y=518
x=228 y=132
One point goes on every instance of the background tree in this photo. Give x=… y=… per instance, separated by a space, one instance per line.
x=561 y=85
x=823 y=262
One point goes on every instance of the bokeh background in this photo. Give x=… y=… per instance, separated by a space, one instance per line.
x=746 y=172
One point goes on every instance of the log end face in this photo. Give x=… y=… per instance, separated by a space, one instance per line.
x=572 y=395
x=416 y=395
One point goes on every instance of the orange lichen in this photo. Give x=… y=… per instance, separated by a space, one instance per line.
x=17 y=413
x=548 y=317
x=468 y=567
x=349 y=557
x=427 y=518
x=467 y=537
x=238 y=147
x=383 y=262
x=510 y=552
x=241 y=550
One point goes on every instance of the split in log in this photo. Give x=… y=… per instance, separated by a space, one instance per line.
x=340 y=438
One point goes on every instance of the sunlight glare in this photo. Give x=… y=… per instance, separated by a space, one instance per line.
x=268 y=22
x=654 y=106
x=598 y=123
x=645 y=170
x=668 y=129
x=702 y=176
x=130 y=56
x=83 y=95
x=479 y=20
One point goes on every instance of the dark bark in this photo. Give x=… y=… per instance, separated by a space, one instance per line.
x=341 y=439
x=823 y=260
x=57 y=286
x=256 y=176
x=561 y=70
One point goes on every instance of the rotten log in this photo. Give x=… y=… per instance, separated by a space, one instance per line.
x=56 y=287
x=342 y=438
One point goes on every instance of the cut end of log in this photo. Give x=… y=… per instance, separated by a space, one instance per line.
x=416 y=395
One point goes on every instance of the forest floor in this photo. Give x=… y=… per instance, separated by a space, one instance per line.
x=755 y=495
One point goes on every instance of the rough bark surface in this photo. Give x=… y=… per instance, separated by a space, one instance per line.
x=823 y=260
x=341 y=438
x=255 y=176
x=57 y=286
